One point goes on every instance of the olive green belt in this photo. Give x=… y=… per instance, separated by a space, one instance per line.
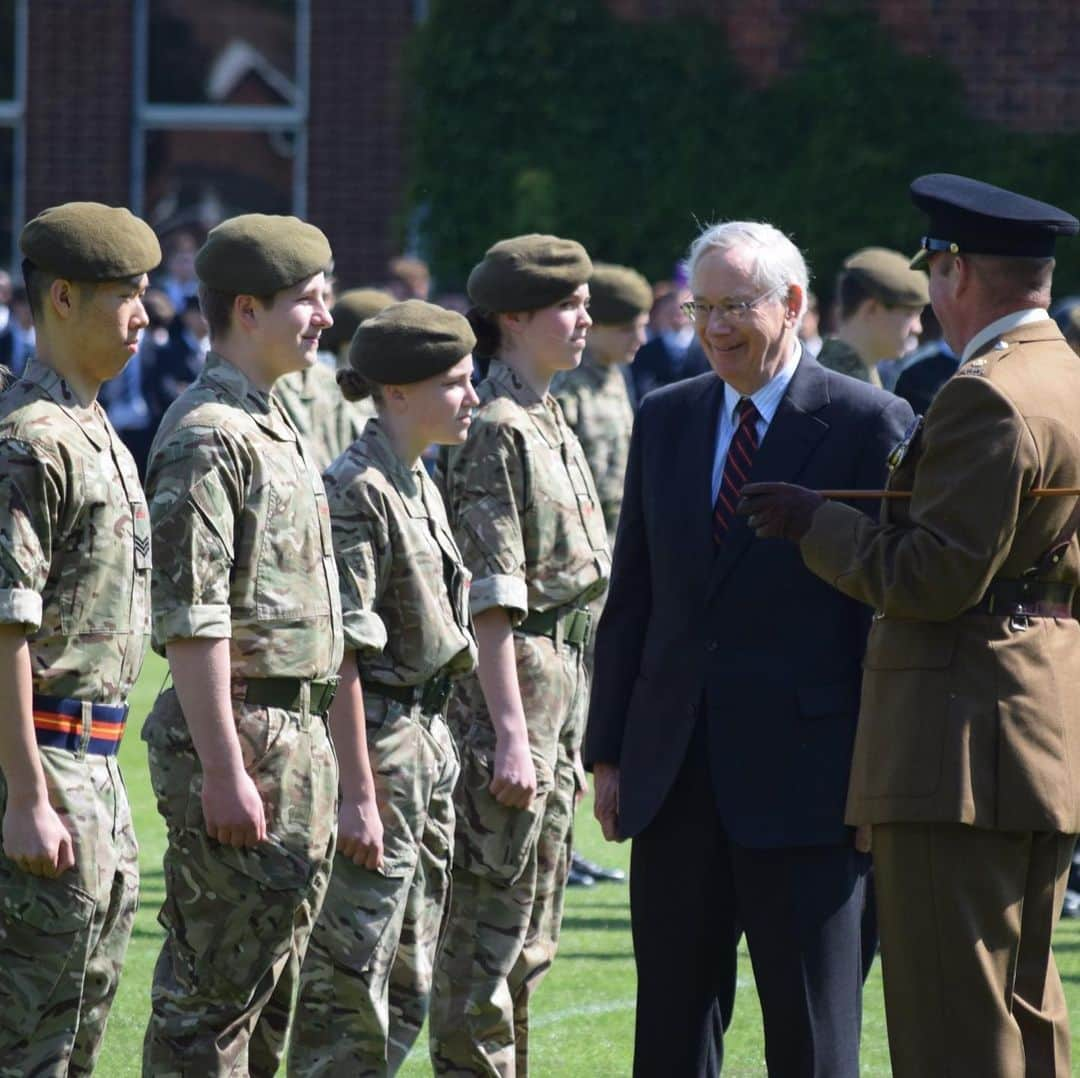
x=563 y=624
x=431 y=695
x=287 y=693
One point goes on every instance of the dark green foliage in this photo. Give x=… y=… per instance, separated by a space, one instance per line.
x=552 y=115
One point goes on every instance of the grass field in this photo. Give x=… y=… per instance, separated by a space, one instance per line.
x=583 y=1013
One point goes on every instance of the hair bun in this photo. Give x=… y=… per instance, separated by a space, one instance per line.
x=354 y=386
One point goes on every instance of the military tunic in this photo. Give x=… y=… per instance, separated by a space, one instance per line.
x=966 y=755
x=75 y=574
x=243 y=551
x=327 y=422
x=367 y=977
x=527 y=517
x=842 y=358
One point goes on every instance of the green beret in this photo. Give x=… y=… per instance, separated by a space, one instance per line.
x=889 y=276
x=528 y=272
x=353 y=307
x=86 y=241
x=410 y=341
x=257 y=254
x=618 y=294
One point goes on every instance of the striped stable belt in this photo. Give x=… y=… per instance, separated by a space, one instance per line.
x=58 y=723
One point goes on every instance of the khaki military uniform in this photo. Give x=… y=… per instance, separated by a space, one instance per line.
x=75 y=574
x=328 y=423
x=842 y=358
x=366 y=980
x=526 y=515
x=243 y=551
x=967 y=757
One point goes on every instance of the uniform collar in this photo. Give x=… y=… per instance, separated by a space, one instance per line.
x=91 y=419
x=1001 y=326
x=258 y=403
x=516 y=388
x=378 y=444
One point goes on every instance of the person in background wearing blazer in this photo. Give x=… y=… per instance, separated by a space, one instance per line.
x=727 y=682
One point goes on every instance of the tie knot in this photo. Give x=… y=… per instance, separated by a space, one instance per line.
x=746 y=411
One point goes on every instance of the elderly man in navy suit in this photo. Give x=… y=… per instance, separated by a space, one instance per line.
x=727 y=682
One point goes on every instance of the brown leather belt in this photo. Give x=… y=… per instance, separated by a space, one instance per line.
x=1026 y=598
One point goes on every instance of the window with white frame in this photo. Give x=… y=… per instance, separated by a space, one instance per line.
x=221 y=103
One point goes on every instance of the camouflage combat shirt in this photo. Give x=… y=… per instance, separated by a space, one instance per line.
x=7 y=378
x=404 y=587
x=597 y=406
x=74 y=541
x=523 y=504
x=327 y=422
x=842 y=358
x=242 y=541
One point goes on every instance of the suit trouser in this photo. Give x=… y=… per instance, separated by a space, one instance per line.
x=966 y=918
x=693 y=891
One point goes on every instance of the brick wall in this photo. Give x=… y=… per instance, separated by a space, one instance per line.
x=1017 y=61
x=356 y=163
x=79 y=102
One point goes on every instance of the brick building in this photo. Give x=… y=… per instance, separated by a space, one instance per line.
x=188 y=110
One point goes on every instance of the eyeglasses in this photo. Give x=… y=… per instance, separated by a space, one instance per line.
x=699 y=311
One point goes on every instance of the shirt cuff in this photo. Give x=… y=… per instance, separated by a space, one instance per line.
x=509 y=592
x=20 y=606
x=191 y=622
x=828 y=546
x=364 y=631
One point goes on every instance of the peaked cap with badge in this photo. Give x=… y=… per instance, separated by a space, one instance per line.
x=980 y=219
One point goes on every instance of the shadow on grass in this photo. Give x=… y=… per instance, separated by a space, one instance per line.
x=572 y=923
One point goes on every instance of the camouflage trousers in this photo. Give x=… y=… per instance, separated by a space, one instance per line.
x=62 y=941
x=237 y=921
x=366 y=981
x=510 y=869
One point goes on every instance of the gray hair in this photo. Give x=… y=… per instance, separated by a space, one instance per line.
x=776 y=261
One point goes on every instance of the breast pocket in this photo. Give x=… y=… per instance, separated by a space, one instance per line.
x=290 y=575
x=101 y=561
x=588 y=501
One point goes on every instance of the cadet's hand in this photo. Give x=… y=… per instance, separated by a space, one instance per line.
x=606 y=800
x=778 y=510
x=36 y=839
x=863 y=838
x=233 y=809
x=360 y=833
x=514 y=782
x=581 y=780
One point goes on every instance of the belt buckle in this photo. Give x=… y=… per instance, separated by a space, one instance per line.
x=327 y=692
x=1019 y=620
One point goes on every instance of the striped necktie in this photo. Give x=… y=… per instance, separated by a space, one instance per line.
x=740 y=458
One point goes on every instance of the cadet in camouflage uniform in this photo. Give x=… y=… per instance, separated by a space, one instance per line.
x=246 y=607
x=366 y=980
x=594 y=396
x=879 y=298
x=328 y=422
x=527 y=517
x=74 y=624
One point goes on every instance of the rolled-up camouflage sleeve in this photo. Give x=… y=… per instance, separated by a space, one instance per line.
x=362 y=551
x=31 y=489
x=195 y=492
x=488 y=490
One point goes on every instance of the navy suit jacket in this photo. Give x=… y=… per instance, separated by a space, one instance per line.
x=747 y=632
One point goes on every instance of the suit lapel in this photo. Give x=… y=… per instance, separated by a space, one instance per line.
x=794 y=432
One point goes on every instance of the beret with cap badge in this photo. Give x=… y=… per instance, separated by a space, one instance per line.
x=888 y=276
x=526 y=273
x=617 y=294
x=259 y=254
x=87 y=241
x=408 y=342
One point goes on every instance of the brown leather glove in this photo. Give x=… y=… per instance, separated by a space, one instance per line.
x=778 y=510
